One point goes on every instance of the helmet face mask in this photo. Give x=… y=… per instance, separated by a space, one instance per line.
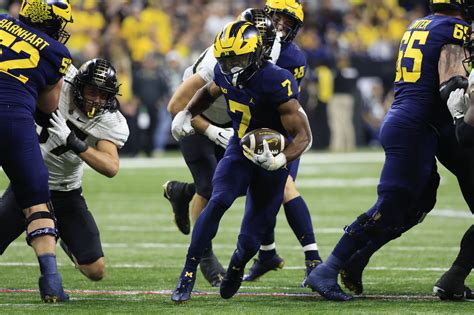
x=49 y=16
x=265 y=26
x=287 y=16
x=96 y=87
x=239 y=52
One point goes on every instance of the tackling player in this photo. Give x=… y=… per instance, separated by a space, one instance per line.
x=87 y=127
x=258 y=94
x=33 y=60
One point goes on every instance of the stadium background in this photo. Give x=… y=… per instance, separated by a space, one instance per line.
x=351 y=46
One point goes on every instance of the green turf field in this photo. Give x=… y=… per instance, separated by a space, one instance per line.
x=145 y=252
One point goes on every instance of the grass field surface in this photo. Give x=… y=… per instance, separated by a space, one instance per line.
x=145 y=252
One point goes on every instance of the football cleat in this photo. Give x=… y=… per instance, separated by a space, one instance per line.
x=310 y=265
x=232 y=281
x=174 y=192
x=212 y=269
x=451 y=287
x=469 y=295
x=321 y=281
x=185 y=287
x=51 y=289
x=259 y=267
x=352 y=280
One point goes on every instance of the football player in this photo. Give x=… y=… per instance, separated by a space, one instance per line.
x=454 y=157
x=87 y=127
x=258 y=94
x=33 y=60
x=203 y=149
x=430 y=52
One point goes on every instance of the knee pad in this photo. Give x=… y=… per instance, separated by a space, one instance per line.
x=53 y=231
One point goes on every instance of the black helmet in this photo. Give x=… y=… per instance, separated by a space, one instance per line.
x=264 y=24
x=465 y=7
x=49 y=16
x=101 y=74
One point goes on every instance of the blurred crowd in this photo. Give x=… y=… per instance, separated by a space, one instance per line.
x=351 y=48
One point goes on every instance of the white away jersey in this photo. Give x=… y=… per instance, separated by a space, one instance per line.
x=204 y=66
x=64 y=166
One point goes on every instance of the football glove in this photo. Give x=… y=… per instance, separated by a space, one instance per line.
x=266 y=160
x=471 y=81
x=65 y=136
x=219 y=136
x=458 y=102
x=181 y=125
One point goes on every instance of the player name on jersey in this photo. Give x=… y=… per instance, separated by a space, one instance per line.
x=17 y=30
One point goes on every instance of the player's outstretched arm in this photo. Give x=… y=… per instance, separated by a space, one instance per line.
x=104 y=158
x=295 y=121
x=184 y=93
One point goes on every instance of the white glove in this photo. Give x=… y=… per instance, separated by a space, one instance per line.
x=471 y=81
x=276 y=48
x=219 y=136
x=265 y=160
x=181 y=125
x=458 y=103
x=60 y=131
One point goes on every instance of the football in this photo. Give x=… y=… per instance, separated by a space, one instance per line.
x=254 y=140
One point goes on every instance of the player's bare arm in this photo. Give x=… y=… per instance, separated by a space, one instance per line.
x=104 y=158
x=450 y=62
x=48 y=99
x=181 y=97
x=203 y=98
x=295 y=121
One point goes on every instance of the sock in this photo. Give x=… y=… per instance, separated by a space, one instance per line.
x=334 y=264
x=311 y=252
x=465 y=260
x=267 y=252
x=47 y=264
x=208 y=252
x=299 y=219
x=189 y=189
x=345 y=248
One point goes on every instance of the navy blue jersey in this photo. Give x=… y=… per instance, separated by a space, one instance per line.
x=255 y=106
x=292 y=59
x=29 y=60
x=417 y=83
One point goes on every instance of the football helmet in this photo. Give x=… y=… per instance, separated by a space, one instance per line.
x=265 y=26
x=239 y=51
x=466 y=7
x=49 y=16
x=292 y=9
x=101 y=74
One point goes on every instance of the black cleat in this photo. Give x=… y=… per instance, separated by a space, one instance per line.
x=232 y=281
x=185 y=287
x=352 y=280
x=259 y=267
x=174 y=192
x=321 y=281
x=469 y=295
x=212 y=269
x=310 y=265
x=451 y=287
x=51 y=288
